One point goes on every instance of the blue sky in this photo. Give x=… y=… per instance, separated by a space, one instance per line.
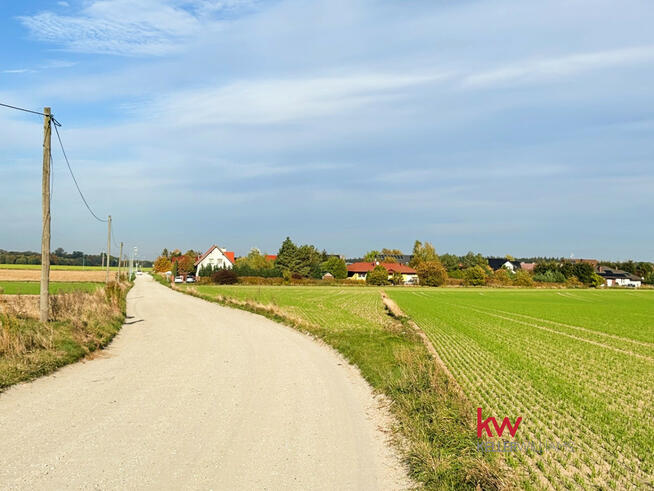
x=505 y=127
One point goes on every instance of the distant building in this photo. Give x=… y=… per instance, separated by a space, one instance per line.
x=497 y=263
x=527 y=266
x=400 y=258
x=617 y=277
x=215 y=257
x=359 y=271
x=593 y=262
x=271 y=257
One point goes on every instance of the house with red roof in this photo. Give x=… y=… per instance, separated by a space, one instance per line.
x=215 y=257
x=359 y=271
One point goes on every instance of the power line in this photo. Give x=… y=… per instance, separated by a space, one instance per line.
x=75 y=180
x=57 y=123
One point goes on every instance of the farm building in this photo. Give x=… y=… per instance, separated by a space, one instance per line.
x=617 y=277
x=216 y=258
x=497 y=263
x=359 y=271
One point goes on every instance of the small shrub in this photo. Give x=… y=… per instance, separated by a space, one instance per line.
x=500 y=277
x=224 y=277
x=378 y=276
x=596 y=281
x=573 y=282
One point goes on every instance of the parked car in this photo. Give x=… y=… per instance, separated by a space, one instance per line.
x=179 y=279
x=190 y=279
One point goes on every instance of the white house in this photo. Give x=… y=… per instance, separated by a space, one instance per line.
x=617 y=277
x=215 y=257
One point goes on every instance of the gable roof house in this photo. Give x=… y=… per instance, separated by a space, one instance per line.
x=215 y=257
x=497 y=263
x=359 y=271
x=617 y=277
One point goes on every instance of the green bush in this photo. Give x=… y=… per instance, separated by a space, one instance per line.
x=550 y=276
x=596 y=281
x=378 y=276
x=475 y=276
x=224 y=277
x=431 y=273
x=522 y=278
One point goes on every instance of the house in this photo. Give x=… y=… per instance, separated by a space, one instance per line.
x=617 y=277
x=271 y=257
x=359 y=271
x=216 y=258
x=400 y=258
x=497 y=263
x=527 y=266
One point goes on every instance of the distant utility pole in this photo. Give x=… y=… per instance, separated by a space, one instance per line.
x=106 y=279
x=102 y=256
x=120 y=259
x=44 y=301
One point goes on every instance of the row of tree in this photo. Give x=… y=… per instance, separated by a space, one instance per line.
x=58 y=257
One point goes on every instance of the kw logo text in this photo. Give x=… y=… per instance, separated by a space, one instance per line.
x=499 y=429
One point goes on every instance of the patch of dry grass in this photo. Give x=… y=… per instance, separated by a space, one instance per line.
x=81 y=323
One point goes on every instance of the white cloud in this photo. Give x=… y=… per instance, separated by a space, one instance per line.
x=63 y=4
x=274 y=101
x=122 y=27
x=551 y=68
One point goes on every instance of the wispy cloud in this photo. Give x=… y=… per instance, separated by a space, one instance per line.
x=18 y=70
x=272 y=101
x=528 y=71
x=120 y=27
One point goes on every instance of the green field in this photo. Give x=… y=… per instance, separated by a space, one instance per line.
x=67 y=268
x=33 y=287
x=433 y=423
x=576 y=365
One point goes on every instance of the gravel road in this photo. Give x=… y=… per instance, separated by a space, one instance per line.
x=191 y=395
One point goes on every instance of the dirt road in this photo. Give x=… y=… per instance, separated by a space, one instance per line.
x=191 y=395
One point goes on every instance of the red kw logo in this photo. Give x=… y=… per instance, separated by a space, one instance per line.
x=484 y=425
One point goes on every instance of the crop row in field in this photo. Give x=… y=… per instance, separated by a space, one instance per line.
x=33 y=287
x=576 y=366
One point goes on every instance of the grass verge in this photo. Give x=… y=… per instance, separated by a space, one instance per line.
x=34 y=287
x=81 y=323
x=434 y=423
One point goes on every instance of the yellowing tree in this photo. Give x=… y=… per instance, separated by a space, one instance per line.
x=162 y=264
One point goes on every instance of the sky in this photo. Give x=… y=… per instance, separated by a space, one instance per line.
x=503 y=127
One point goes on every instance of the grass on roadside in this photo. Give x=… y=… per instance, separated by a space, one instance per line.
x=33 y=287
x=434 y=424
x=82 y=323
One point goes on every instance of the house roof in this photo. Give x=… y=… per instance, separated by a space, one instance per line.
x=497 y=262
x=614 y=274
x=228 y=254
x=365 y=267
x=271 y=257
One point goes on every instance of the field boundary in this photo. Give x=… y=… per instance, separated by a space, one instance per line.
x=395 y=311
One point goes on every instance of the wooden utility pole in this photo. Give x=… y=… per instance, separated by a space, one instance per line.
x=120 y=259
x=106 y=279
x=44 y=302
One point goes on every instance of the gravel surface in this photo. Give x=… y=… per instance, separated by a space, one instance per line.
x=191 y=395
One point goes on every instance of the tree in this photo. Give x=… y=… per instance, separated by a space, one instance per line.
x=596 y=281
x=471 y=259
x=522 y=278
x=185 y=264
x=502 y=277
x=287 y=255
x=164 y=253
x=395 y=252
x=422 y=253
x=336 y=267
x=378 y=276
x=431 y=273
x=371 y=256
x=307 y=262
x=474 y=276
x=162 y=264
x=450 y=262
x=397 y=278
x=174 y=269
